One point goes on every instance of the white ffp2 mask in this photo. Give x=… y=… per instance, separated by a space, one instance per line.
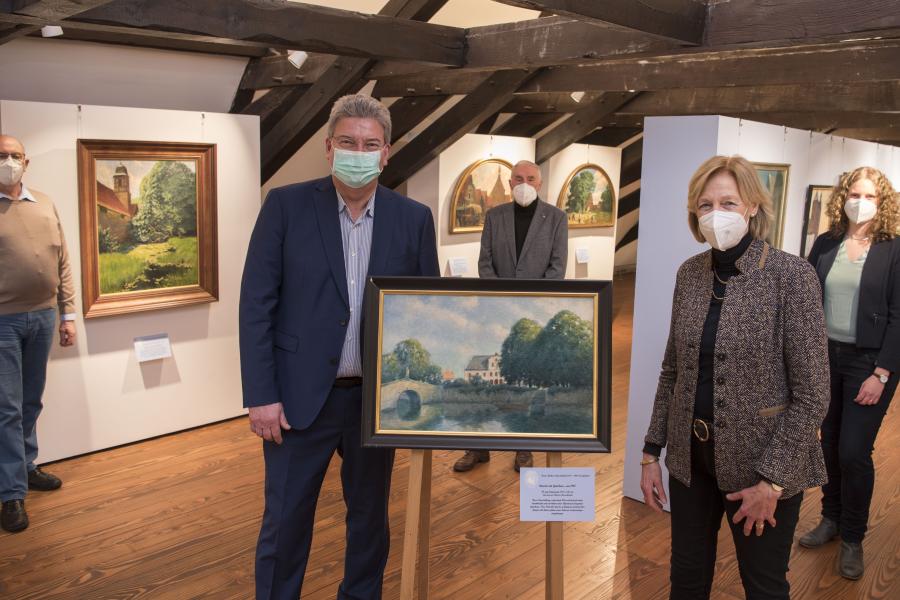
x=723 y=229
x=860 y=210
x=11 y=171
x=524 y=194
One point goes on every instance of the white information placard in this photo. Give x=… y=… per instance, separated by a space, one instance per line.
x=459 y=266
x=582 y=255
x=556 y=494
x=152 y=347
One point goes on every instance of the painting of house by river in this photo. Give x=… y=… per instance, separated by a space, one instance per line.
x=526 y=364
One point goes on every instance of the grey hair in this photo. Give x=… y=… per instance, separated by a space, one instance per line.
x=361 y=107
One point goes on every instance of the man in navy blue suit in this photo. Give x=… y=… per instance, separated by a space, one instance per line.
x=313 y=247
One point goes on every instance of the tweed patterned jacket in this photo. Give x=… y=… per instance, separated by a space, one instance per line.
x=770 y=372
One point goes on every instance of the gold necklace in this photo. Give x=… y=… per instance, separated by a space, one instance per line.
x=719 y=279
x=722 y=299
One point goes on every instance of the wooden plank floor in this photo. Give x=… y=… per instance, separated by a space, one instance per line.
x=177 y=518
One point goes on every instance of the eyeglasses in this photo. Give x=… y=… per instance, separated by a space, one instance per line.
x=348 y=143
x=14 y=155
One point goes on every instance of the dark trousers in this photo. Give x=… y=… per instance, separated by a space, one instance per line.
x=848 y=438
x=294 y=473
x=696 y=517
x=25 y=340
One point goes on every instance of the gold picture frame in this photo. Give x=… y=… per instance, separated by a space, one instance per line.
x=478 y=190
x=148 y=225
x=586 y=203
x=774 y=179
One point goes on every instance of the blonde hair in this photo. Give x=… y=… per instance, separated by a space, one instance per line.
x=749 y=188
x=362 y=107
x=887 y=219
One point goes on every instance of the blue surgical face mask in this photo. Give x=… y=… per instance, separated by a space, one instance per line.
x=356 y=169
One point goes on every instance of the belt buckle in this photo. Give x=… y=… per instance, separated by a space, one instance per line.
x=704 y=437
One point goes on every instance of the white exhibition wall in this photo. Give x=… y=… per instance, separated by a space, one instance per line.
x=433 y=185
x=97 y=394
x=673 y=149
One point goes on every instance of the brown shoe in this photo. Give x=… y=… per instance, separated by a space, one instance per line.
x=470 y=459
x=523 y=459
x=13 y=517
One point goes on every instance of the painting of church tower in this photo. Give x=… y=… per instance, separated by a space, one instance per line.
x=481 y=187
x=115 y=206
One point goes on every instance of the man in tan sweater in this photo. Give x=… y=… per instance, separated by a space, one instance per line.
x=34 y=279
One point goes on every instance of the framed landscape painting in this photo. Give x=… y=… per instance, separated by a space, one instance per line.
x=588 y=198
x=148 y=225
x=774 y=179
x=482 y=186
x=487 y=363
x=815 y=219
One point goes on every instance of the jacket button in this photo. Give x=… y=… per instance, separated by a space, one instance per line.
x=343 y=322
x=332 y=361
x=720 y=380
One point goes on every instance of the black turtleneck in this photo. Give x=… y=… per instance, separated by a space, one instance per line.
x=723 y=264
x=523 y=217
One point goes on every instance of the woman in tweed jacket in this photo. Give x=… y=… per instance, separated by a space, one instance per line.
x=743 y=389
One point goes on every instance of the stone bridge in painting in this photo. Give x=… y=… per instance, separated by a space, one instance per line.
x=406 y=396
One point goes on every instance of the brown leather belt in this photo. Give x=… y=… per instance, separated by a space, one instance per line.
x=702 y=430
x=347 y=382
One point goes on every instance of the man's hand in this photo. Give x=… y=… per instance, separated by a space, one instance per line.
x=66 y=333
x=268 y=421
x=757 y=507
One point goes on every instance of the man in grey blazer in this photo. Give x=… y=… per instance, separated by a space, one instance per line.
x=525 y=239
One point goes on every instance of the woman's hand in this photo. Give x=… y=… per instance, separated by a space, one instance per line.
x=651 y=484
x=757 y=507
x=869 y=392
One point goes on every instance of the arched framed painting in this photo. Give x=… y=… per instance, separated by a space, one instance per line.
x=482 y=186
x=588 y=197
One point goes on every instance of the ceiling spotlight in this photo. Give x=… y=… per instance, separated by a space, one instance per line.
x=297 y=58
x=577 y=96
x=51 y=31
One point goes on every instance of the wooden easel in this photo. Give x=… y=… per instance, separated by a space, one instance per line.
x=417 y=531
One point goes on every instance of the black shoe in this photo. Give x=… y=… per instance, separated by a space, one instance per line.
x=850 y=560
x=13 y=517
x=43 y=482
x=821 y=534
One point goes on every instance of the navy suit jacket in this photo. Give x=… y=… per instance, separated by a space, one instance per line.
x=294 y=307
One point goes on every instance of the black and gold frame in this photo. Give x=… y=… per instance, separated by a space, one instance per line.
x=487 y=364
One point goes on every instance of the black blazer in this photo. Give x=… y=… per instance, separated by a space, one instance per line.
x=878 y=318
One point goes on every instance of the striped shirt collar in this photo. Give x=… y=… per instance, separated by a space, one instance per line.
x=370 y=205
x=24 y=195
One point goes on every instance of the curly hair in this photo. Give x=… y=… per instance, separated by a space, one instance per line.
x=887 y=219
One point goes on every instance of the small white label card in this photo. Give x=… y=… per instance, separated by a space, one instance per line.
x=556 y=494
x=152 y=347
x=459 y=266
x=582 y=255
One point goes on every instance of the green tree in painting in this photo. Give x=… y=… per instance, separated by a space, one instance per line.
x=580 y=190
x=167 y=203
x=516 y=354
x=606 y=199
x=563 y=352
x=409 y=359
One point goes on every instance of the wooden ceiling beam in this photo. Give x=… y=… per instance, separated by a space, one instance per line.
x=51 y=11
x=888 y=135
x=610 y=136
x=872 y=97
x=799 y=21
x=681 y=20
x=275 y=71
x=548 y=103
x=408 y=113
x=551 y=41
x=344 y=75
x=527 y=125
x=465 y=115
x=438 y=82
x=292 y=25
x=582 y=122
x=826 y=121
x=833 y=63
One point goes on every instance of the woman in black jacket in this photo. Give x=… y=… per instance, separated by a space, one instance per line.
x=858 y=263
